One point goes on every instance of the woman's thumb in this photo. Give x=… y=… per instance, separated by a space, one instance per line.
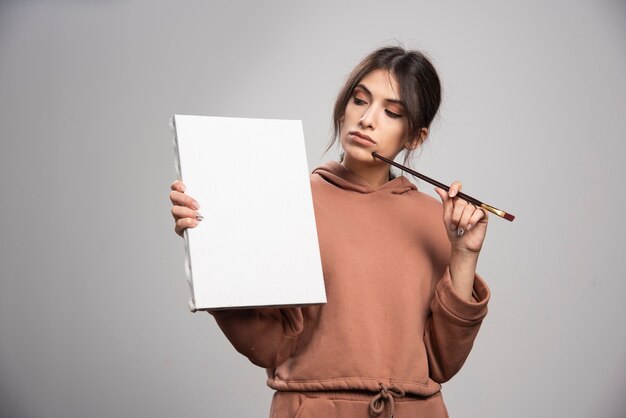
x=442 y=194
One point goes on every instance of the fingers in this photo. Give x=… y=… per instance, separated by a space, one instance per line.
x=442 y=194
x=447 y=205
x=476 y=217
x=183 y=224
x=455 y=188
x=179 y=186
x=184 y=209
x=185 y=218
x=452 y=206
x=181 y=199
x=452 y=191
x=184 y=212
x=457 y=212
x=464 y=222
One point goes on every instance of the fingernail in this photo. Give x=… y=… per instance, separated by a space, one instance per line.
x=196 y=205
x=453 y=227
x=199 y=216
x=469 y=226
x=183 y=187
x=460 y=232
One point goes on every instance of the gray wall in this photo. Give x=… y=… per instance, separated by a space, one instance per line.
x=93 y=298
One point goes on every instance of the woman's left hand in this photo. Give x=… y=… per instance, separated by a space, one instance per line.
x=465 y=223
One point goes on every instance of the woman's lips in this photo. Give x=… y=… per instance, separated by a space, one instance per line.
x=361 y=139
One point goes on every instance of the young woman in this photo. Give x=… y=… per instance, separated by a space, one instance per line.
x=404 y=301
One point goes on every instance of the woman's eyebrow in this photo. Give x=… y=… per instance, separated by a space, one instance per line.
x=369 y=93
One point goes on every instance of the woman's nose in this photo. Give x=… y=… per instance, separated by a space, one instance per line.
x=367 y=120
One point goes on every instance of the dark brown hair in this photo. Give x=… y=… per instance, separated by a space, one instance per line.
x=420 y=89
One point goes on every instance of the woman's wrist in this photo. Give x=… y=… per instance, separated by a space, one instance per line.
x=464 y=255
x=462 y=272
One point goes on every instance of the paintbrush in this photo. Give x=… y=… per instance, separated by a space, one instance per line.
x=470 y=199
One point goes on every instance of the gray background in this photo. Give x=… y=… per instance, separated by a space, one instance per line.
x=93 y=299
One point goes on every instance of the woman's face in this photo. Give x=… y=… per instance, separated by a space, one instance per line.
x=374 y=119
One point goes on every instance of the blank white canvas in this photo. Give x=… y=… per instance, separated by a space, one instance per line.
x=257 y=244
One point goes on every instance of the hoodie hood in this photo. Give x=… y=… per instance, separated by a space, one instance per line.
x=336 y=173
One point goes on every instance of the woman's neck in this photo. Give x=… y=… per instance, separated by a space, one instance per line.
x=375 y=174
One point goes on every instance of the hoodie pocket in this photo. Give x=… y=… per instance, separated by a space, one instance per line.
x=431 y=407
x=332 y=408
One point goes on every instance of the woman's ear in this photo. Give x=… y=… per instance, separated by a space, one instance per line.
x=417 y=140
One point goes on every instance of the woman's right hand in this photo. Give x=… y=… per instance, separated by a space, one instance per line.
x=184 y=209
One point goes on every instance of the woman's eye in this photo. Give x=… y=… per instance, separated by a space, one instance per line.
x=358 y=101
x=392 y=115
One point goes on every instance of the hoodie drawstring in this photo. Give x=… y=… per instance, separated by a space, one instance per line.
x=387 y=393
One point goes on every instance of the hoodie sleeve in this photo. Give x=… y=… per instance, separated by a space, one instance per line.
x=266 y=336
x=452 y=326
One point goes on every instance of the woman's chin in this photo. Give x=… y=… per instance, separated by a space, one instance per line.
x=356 y=153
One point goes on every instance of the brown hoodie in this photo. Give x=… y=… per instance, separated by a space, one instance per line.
x=392 y=318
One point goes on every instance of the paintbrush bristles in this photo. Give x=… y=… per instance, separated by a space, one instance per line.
x=509 y=217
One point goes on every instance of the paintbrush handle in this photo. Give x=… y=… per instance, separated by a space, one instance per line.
x=434 y=182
